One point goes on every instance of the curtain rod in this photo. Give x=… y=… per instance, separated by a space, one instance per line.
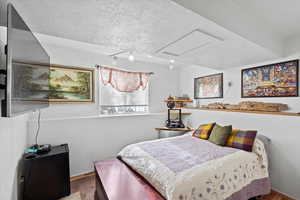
x=98 y=66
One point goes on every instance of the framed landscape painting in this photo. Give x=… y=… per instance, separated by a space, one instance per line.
x=71 y=84
x=274 y=80
x=208 y=87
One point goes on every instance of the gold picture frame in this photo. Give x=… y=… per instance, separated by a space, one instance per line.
x=70 y=84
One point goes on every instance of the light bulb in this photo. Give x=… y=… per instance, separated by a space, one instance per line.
x=131 y=57
x=172 y=61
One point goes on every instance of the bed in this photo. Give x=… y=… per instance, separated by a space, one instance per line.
x=189 y=168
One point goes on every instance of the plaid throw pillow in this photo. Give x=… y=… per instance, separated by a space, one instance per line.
x=240 y=139
x=204 y=131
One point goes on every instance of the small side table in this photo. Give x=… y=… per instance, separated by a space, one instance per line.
x=165 y=132
x=46 y=176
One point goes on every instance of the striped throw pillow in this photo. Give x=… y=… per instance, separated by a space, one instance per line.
x=240 y=139
x=204 y=131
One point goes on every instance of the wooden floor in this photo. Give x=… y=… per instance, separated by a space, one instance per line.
x=86 y=187
x=275 y=196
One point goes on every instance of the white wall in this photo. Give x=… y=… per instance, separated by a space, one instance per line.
x=232 y=94
x=13 y=141
x=282 y=130
x=92 y=137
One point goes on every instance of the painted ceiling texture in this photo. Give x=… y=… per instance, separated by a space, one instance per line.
x=165 y=29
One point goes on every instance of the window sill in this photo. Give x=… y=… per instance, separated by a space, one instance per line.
x=128 y=115
x=101 y=116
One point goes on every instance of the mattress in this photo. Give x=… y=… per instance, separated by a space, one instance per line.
x=189 y=168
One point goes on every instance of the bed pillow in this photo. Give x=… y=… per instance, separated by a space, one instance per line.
x=220 y=134
x=203 y=131
x=240 y=139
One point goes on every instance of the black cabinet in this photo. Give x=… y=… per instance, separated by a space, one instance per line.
x=46 y=176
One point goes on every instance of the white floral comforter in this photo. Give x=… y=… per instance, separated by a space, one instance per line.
x=189 y=168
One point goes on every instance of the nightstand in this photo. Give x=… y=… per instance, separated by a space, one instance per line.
x=166 y=132
x=46 y=176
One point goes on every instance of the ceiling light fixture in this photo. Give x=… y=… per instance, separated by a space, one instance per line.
x=171 y=67
x=131 y=57
x=172 y=61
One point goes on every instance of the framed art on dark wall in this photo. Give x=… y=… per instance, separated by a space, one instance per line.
x=208 y=87
x=274 y=80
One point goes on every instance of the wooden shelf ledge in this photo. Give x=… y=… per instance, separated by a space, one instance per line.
x=175 y=129
x=183 y=113
x=247 y=111
x=179 y=100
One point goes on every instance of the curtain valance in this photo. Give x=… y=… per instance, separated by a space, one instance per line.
x=124 y=81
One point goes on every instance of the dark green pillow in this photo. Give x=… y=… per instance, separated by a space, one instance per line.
x=220 y=134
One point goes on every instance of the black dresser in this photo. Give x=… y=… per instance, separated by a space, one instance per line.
x=46 y=176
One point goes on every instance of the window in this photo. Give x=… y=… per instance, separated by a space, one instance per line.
x=114 y=101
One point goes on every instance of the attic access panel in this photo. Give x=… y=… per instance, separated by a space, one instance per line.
x=189 y=42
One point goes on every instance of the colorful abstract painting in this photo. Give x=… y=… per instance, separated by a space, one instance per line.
x=275 y=80
x=70 y=84
x=208 y=87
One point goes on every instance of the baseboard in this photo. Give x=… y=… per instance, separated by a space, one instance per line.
x=81 y=176
x=282 y=194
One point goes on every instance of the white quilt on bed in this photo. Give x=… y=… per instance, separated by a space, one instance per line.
x=189 y=168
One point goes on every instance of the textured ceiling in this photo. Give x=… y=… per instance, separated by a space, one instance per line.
x=282 y=15
x=142 y=26
x=128 y=24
